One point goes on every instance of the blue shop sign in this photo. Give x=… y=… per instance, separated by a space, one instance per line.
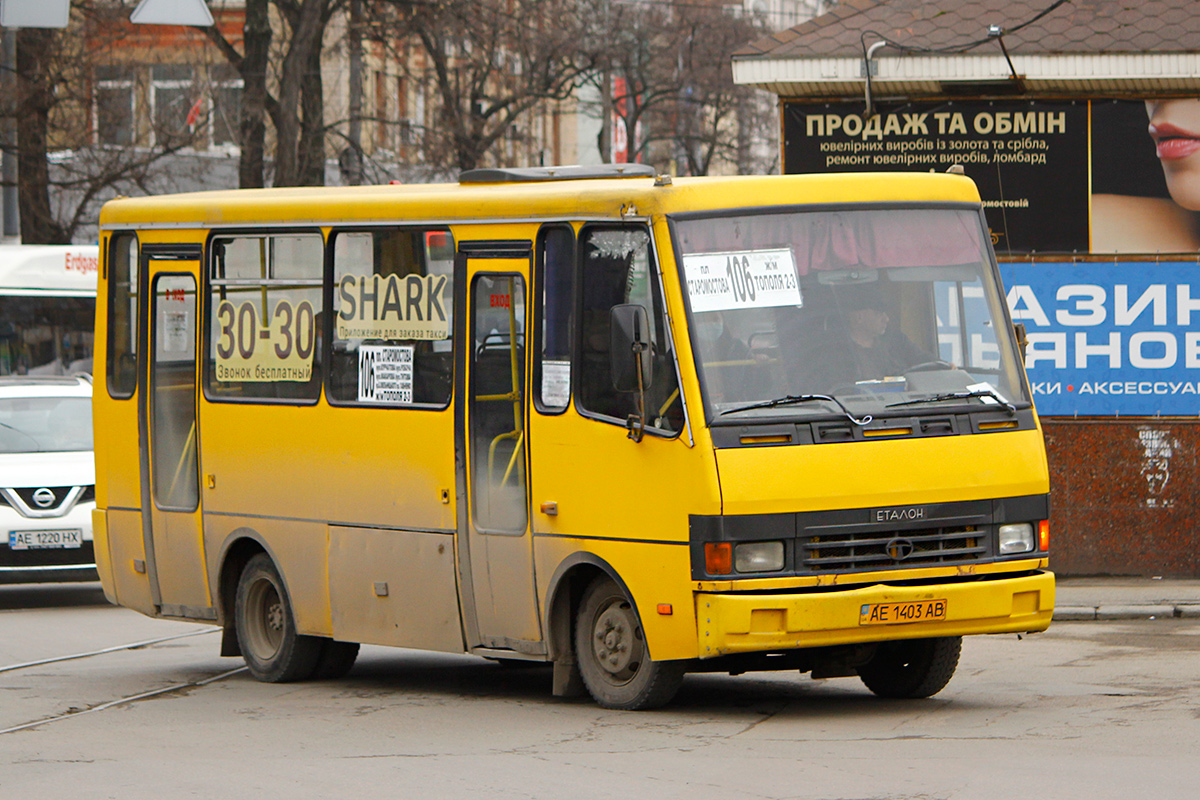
x=1110 y=339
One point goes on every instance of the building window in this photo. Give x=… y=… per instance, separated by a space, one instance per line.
x=173 y=95
x=114 y=105
x=381 y=115
x=225 y=86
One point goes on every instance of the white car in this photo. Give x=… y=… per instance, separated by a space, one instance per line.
x=47 y=480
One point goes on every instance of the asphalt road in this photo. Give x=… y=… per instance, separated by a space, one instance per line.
x=1087 y=710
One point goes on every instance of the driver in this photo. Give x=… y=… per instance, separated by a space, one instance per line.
x=866 y=349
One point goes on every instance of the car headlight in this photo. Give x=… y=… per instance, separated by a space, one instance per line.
x=1016 y=538
x=758 y=557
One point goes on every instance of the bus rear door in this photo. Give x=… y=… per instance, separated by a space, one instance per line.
x=495 y=543
x=169 y=434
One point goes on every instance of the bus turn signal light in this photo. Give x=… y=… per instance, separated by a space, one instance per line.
x=718 y=558
x=1044 y=535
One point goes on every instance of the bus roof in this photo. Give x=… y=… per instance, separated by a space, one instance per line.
x=506 y=198
x=37 y=269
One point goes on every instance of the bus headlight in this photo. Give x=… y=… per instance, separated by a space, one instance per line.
x=1016 y=538
x=758 y=557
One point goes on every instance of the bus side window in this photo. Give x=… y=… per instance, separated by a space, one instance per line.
x=122 y=315
x=265 y=316
x=555 y=313
x=393 y=296
x=617 y=268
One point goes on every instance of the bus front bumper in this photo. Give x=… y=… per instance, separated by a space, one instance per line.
x=746 y=623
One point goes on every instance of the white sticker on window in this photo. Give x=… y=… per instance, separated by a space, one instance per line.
x=392 y=307
x=743 y=279
x=175 y=330
x=278 y=348
x=385 y=373
x=556 y=383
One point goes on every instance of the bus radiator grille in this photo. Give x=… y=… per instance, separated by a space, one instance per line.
x=870 y=550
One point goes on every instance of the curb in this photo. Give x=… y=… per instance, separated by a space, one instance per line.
x=1126 y=612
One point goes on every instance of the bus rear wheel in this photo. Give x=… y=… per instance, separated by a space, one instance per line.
x=610 y=648
x=912 y=668
x=266 y=628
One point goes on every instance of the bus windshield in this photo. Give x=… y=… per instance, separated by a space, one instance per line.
x=876 y=312
x=46 y=335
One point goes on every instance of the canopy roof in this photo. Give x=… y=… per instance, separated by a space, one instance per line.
x=944 y=47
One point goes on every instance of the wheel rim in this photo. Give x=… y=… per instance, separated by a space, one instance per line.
x=264 y=619
x=616 y=643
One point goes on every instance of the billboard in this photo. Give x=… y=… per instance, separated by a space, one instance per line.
x=1089 y=178
x=1110 y=338
x=1098 y=176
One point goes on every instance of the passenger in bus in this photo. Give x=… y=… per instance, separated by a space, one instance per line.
x=726 y=358
x=716 y=342
x=864 y=349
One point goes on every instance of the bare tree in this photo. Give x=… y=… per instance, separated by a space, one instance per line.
x=251 y=65
x=489 y=62
x=35 y=99
x=667 y=78
x=64 y=171
x=637 y=71
x=300 y=116
x=713 y=117
x=297 y=108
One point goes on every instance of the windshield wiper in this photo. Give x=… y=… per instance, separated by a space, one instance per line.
x=980 y=393
x=797 y=399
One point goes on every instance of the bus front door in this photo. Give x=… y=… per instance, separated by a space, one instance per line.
x=496 y=545
x=169 y=437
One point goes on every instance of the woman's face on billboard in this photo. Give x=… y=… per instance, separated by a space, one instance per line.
x=1175 y=128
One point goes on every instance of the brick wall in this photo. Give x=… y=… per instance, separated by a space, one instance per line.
x=1122 y=497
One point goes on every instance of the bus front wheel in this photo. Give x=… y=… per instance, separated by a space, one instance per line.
x=912 y=668
x=610 y=648
x=266 y=629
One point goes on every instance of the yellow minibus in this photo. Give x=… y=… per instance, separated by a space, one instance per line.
x=630 y=426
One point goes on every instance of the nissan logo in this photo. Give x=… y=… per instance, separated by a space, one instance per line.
x=899 y=549
x=44 y=498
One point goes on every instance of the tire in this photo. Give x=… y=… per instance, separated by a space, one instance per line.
x=610 y=649
x=266 y=627
x=336 y=660
x=912 y=668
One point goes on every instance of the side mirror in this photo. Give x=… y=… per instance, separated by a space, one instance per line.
x=630 y=348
